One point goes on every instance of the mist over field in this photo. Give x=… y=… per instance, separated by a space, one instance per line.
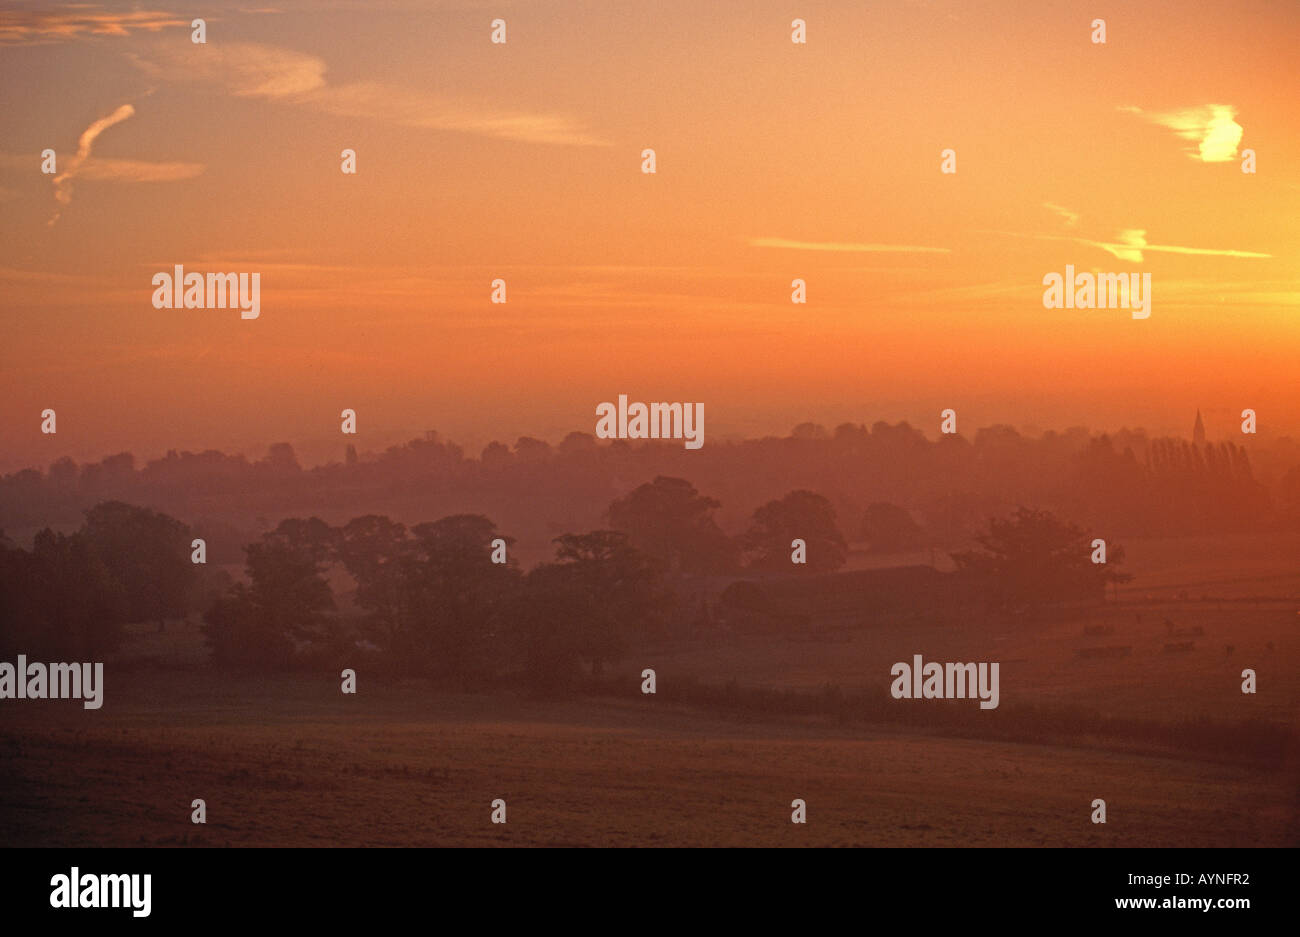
x=524 y=679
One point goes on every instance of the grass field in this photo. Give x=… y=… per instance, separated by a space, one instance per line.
x=288 y=760
x=1241 y=591
x=296 y=763
x=1039 y=663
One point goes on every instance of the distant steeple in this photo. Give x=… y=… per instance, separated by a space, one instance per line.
x=1198 y=431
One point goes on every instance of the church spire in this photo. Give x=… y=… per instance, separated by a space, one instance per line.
x=1198 y=431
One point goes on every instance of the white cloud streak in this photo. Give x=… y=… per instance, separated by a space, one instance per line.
x=1211 y=128
x=845 y=247
x=73 y=165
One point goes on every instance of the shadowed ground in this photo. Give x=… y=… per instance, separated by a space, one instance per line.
x=295 y=763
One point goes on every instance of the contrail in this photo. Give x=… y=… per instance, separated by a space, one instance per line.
x=62 y=190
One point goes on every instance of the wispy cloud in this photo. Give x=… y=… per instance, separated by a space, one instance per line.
x=1133 y=242
x=12 y=275
x=845 y=247
x=72 y=165
x=1132 y=245
x=244 y=69
x=104 y=169
x=1212 y=128
x=25 y=26
x=111 y=169
x=413 y=109
x=1071 y=218
x=295 y=78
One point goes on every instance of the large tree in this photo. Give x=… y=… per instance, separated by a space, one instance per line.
x=587 y=604
x=803 y=515
x=286 y=607
x=455 y=595
x=148 y=553
x=1032 y=558
x=58 y=600
x=672 y=522
x=377 y=553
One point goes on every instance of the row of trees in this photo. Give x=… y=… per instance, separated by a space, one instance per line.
x=447 y=599
x=441 y=599
x=671 y=521
x=70 y=595
x=951 y=483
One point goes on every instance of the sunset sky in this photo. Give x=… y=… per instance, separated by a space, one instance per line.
x=523 y=161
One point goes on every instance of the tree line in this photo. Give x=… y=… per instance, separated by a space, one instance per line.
x=446 y=600
x=1123 y=481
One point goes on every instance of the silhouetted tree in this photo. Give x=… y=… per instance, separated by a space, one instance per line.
x=149 y=554
x=377 y=553
x=281 y=458
x=455 y=595
x=624 y=587
x=284 y=610
x=805 y=515
x=1032 y=559
x=672 y=522
x=546 y=614
x=496 y=456
x=584 y=606
x=311 y=537
x=239 y=635
x=809 y=431
x=58 y=600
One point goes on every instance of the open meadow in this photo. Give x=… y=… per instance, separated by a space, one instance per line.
x=294 y=763
x=288 y=760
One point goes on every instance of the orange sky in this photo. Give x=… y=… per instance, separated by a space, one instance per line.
x=522 y=161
